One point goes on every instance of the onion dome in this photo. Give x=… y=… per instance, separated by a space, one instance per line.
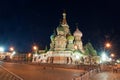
x=52 y=37
x=60 y=28
x=70 y=37
x=78 y=33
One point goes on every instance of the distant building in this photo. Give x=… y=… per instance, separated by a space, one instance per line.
x=20 y=57
x=5 y=55
x=13 y=56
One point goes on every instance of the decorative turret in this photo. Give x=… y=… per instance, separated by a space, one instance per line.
x=65 y=25
x=70 y=45
x=78 y=41
x=70 y=38
x=60 y=39
x=78 y=32
x=52 y=44
x=64 y=21
x=52 y=37
x=60 y=30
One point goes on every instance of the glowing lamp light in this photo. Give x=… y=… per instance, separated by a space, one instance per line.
x=35 y=47
x=118 y=61
x=11 y=49
x=13 y=53
x=104 y=57
x=76 y=47
x=36 y=55
x=1 y=49
x=110 y=59
x=29 y=55
x=108 y=45
x=112 y=55
x=77 y=57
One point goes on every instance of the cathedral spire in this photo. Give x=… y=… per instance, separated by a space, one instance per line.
x=64 y=21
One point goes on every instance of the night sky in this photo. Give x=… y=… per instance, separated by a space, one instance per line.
x=27 y=22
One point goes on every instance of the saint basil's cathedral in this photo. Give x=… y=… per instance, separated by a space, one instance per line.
x=65 y=48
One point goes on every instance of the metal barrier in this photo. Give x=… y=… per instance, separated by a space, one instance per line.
x=10 y=75
x=87 y=75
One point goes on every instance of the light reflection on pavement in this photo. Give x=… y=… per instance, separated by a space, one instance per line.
x=33 y=72
x=106 y=76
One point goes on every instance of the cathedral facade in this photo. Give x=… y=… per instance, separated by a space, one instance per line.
x=65 y=47
x=62 y=39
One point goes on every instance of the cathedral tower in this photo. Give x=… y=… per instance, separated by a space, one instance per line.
x=65 y=25
x=78 y=41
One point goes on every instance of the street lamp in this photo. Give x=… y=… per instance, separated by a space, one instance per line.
x=29 y=55
x=108 y=45
x=112 y=55
x=104 y=57
x=35 y=48
x=12 y=52
x=1 y=49
x=11 y=48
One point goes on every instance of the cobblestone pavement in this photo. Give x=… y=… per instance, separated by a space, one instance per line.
x=5 y=75
x=35 y=72
x=106 y=76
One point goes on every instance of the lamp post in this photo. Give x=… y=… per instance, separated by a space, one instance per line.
x=12 y=52
x=107 y=47
x=112 y=55
x=35 y=49
x=104 y=54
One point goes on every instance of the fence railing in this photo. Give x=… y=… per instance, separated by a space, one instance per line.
x=86 y=75
x=10 y=75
